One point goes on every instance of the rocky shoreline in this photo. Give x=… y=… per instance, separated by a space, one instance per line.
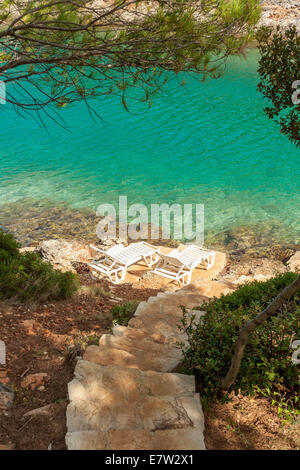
x=283 y=13
x=72 y=255
x=33 y=223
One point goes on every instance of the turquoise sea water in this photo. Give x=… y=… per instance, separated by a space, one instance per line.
x=206 y=143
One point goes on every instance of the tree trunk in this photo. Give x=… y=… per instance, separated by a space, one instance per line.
x=252 y=325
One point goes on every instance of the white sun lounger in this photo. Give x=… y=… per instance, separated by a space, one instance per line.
x=114 y=262
x=179 y=266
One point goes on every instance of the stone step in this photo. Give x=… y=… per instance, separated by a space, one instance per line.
x=152 y=299
x=110 y=356
x=110 y=410
x=104 y=355
x=140 y=308
x=164 y=294
x=137 y=334
x=171 y=338
x=131 y=439
x=158 y=324
x=163 y=323
x=171 y=310
x=171 y=305
x=147 y=345
x=104 y=398
x=177 y=299
x=160 y=305
x=148 y=355
x=90 y=376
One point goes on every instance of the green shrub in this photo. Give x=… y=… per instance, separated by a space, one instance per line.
x=9 y=248
x=266 y=365
x=123 y=313
x=26 y=277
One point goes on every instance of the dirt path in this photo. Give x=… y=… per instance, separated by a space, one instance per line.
x=247 y=423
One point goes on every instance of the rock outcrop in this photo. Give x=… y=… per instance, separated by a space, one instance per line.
x=62 y=253
x=252 y=269
x=283 y=13
x=293 y=263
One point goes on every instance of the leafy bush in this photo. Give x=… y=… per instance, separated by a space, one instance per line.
x=266 y=365
x=123 y=313
x=9 y=248
x=26 y=277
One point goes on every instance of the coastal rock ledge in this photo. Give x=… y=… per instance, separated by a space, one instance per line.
x=283 y=13
x=62 y=254
x=252 y=269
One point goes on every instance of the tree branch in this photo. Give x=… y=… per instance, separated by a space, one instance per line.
x=251 y=325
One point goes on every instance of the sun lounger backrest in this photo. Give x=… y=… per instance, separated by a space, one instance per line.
x=172 y=260
x=193 y=255
x=115 y=249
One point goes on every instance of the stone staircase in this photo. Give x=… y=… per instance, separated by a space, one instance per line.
x=125 y=396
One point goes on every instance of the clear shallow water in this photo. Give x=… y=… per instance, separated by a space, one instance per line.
x=206 y=143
